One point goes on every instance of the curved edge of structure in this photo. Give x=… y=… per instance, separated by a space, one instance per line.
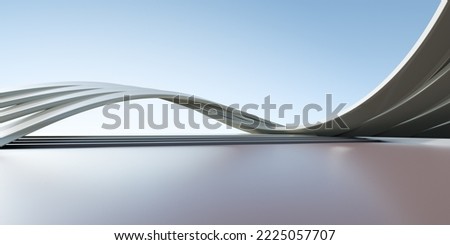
x=414 y=76
x=27 y=110
x=431 y=24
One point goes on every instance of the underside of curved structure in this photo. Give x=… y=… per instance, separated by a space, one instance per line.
x=413 y=102
x=29 y=109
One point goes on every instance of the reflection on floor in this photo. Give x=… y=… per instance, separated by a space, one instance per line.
x=395 y=182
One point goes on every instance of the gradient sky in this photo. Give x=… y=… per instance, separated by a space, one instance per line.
x=227 y=51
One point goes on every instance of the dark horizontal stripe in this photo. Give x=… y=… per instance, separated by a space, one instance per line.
x=121 y=141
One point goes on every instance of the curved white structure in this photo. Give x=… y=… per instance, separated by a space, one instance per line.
x=29 y=109
x=415 y=101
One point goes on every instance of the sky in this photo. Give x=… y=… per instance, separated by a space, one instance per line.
x=227 y=51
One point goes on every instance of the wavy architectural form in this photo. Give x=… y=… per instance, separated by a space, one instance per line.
x=413 y=102
x=29 y=109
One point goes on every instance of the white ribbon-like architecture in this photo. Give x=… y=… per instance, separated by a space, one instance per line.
x=413 y=102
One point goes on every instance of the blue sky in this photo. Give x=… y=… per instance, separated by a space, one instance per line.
x=227 y=51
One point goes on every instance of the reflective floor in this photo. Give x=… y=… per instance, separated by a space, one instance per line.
x=395 y=182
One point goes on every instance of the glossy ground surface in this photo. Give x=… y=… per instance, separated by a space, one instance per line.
x=395 y=182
